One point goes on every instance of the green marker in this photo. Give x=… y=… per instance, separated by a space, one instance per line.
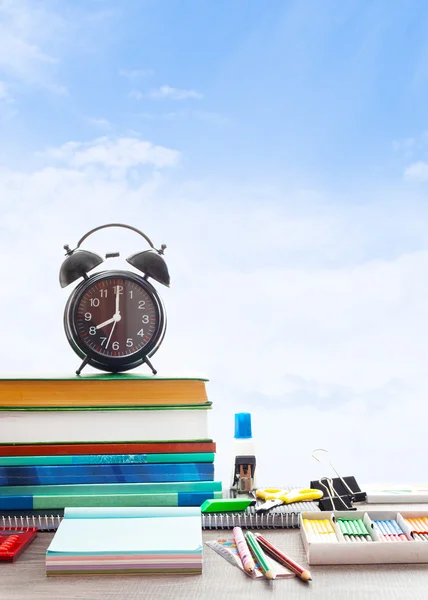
x=226 y=505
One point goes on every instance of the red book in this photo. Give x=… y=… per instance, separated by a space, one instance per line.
x=106 y=448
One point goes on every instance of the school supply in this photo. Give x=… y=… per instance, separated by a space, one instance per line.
x=133 y=540
x=259 y=555
x=227 y=549
x=57 y=502
x=282 y=558
x=339 y=492
x=129 y=473
x=243 y=475
x=354 y=530
x=107 y=425
x=13 y=542
x=276 y=497
x=105 y=448
x=320 y=530
x=286 y=516
x=378 y=537
x=389 y=530
x=220 y=505
x=390 y=493
x=243 y=550
x=419 y=527
x=103 y=459
x=96 y=489
x=63 y=439
x=102 y=390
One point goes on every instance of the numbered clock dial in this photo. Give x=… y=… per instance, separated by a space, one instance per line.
x=116 y=317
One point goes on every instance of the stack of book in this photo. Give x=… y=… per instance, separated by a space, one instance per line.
x=103 y=441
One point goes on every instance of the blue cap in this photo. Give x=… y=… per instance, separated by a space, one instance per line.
x=243 y=425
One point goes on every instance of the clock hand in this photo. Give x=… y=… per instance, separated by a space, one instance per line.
x=109 y=337
x=105 y=323
x=117 y=300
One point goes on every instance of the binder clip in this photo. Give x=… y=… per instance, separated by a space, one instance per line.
x=335 y=501
x=343 y=491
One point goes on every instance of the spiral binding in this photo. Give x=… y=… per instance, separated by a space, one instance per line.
x=42 y=522
x=281 y=517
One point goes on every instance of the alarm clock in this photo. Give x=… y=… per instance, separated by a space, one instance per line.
x=114 y=320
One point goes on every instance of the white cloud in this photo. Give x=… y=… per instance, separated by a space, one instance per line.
x=418 y=171
x=121 y=153
x=135 y=73
x=167 y=92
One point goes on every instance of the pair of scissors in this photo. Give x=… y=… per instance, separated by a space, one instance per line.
x=276 y=497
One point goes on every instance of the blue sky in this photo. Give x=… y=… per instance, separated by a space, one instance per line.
x=280 y=150
x=292 y=89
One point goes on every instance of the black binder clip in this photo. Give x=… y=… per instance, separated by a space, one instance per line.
x=343 y=491
x=335 y=501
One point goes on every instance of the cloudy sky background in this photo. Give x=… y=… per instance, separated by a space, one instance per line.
x=281 y=153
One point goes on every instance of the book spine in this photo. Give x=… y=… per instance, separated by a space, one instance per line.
x=106 y=474
x=111 y=488
x=39 y=502
x=103 y=407
x=106 y=448
x=100 y=459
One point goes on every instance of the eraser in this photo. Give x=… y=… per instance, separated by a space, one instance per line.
x=226 y=505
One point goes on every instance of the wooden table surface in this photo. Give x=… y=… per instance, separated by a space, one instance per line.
x=26 y=578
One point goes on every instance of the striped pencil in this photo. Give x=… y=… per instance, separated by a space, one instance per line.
x=283 y=559
x=243 y=550
x=259 y=555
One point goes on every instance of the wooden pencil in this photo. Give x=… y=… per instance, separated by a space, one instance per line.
x=243 y=550
x=283 y=559
x=259 y=555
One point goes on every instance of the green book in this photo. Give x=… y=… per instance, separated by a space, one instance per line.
x=100 y=459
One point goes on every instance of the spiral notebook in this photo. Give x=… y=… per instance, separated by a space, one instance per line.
x=280 y=517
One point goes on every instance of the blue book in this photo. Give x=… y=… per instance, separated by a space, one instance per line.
x=137 y=473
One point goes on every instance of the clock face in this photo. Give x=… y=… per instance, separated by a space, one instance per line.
x=116 y=317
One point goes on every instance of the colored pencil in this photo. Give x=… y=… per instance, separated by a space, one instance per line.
x=282 y=558
x=259 y=555
x=243 y=550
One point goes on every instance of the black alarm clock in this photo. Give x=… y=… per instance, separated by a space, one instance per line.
x=114 y=320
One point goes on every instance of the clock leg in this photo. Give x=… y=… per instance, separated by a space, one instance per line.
x=146 y=360
x=83 y=365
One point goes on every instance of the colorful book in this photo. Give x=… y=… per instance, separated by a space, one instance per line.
x=112 y=488
x=102 y=390
x=102 y=447
x=102 y=459
x=126 y=540
x=56 y=502
x=93 y=426
x=69 y=474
